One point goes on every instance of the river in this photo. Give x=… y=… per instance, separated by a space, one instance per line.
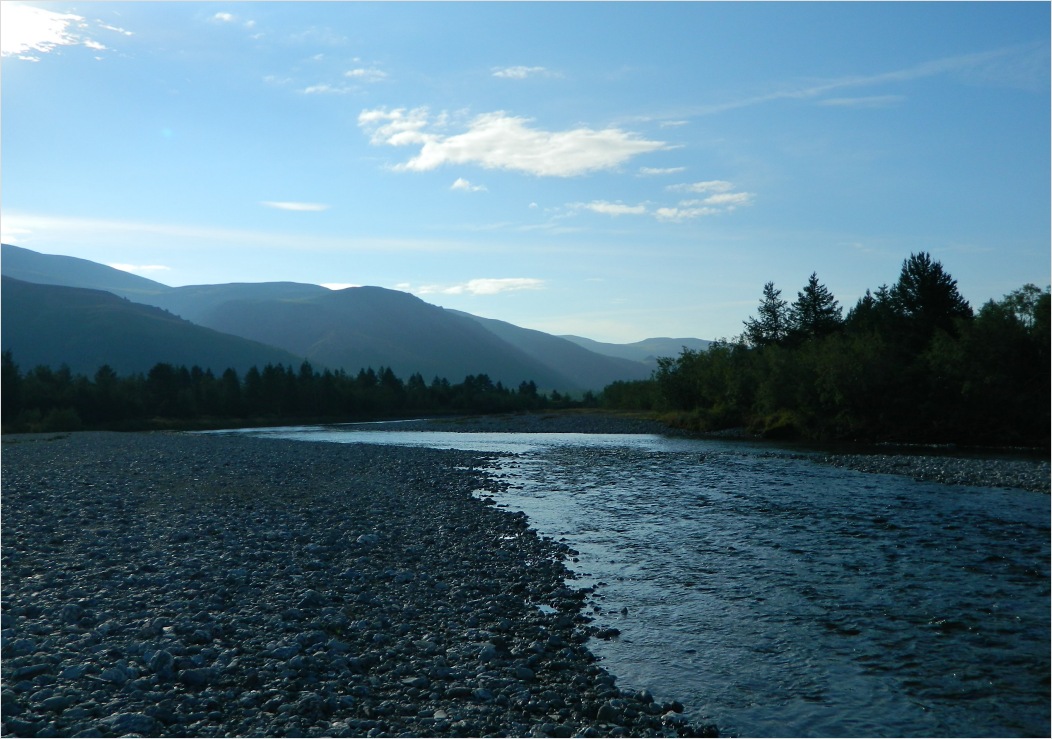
x=779 y=597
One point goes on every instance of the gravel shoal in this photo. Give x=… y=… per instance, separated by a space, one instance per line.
x=531 y=423
x=1027 y=474
x=199 y=585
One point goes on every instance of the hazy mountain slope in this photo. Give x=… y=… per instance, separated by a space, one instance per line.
x=585 y=368
x=198 y=303
x=52 y=325
x=647 y=350
x=371 y=326
x=354 y=328
x=52 y=269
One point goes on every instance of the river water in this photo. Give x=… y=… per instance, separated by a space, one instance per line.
x=778 y=597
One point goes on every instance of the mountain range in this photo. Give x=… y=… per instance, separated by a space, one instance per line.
x=60 y=309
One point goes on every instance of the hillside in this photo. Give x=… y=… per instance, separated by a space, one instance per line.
x=585 y=368
x=53 y=269
x=647 y=351
x=356 y=328
x=84 y=329
x=371 y=326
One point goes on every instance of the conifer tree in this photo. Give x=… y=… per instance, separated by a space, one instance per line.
x=815 y=313
x=771 y=325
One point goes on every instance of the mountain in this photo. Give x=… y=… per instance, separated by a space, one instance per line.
x=371 y=326
x=359 y=327
x=647 y=351
x=584 y=367
x=52 y=269
x=54 y=325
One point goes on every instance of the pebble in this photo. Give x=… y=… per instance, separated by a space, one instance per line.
x=165 y=584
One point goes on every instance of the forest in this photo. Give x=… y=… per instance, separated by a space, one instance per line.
x=46 y=399
x=910 y=363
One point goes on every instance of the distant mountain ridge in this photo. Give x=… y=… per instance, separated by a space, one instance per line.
x=84 y=329
x=647 y=351
x=349 y=329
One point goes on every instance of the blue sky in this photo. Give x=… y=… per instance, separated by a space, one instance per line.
x=613 y=170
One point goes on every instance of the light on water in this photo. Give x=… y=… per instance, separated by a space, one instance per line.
x=778 y=597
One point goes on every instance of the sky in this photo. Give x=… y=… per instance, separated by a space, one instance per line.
x=611 y=170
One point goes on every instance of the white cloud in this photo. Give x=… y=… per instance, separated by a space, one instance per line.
x=706 y=186
x=518 y=73
x=500 y=141
x=301 y=207
x=366 y=75
x=327 y=89
x=684 y=212
x=654 y=171
x=24 y=29
x=483 y=286
x=140 y=267
x=224 y=17
x=339 y=285
x=728 y=200
x=462 y=184
x=613 y=209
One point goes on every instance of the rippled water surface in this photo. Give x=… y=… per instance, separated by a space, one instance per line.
x=779 y=597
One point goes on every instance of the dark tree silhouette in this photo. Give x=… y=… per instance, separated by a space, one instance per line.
x=771 y=325
x=815 y=313
x=927 y=297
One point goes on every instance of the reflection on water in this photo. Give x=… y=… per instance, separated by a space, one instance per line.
x=777 y=597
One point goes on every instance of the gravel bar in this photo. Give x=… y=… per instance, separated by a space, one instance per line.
x=990 y=471
x=163 y=584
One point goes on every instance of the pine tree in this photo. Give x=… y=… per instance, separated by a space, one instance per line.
x=815 y=313
x=771 y=326
x=927 y=297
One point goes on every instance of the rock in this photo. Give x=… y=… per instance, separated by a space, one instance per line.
x=116 y=675
x=197 y=677
x=608 y=714
x=129 y=723
x=311 y=599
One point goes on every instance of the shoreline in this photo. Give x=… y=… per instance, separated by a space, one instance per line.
x=167 y=584
x=993 y=468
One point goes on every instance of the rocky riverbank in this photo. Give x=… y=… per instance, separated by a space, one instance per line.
x=194 y=585
x=938 y=466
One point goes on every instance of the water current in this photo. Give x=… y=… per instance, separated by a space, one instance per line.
x=775 y=596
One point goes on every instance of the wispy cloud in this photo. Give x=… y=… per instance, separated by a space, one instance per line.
x=480 y=286
x=501 y=141
x=657 y=171
x=612 y=209
x=720 y=197
x=26 y=31
x=370 y=74
x=224 y=18
x=461 y=184
x=521 y=72
x=1024 y=66
x=42 y=230
x=294 y=206
x=706 y=186
x=868 y=101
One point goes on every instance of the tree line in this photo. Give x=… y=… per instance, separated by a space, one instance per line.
x=908 y=363
x=47 y=399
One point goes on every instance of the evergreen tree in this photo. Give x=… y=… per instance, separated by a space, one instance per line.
x=771 y=326
x=927 y=297
x=815 y=313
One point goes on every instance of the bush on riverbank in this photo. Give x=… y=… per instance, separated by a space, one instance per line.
x=912 y=363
